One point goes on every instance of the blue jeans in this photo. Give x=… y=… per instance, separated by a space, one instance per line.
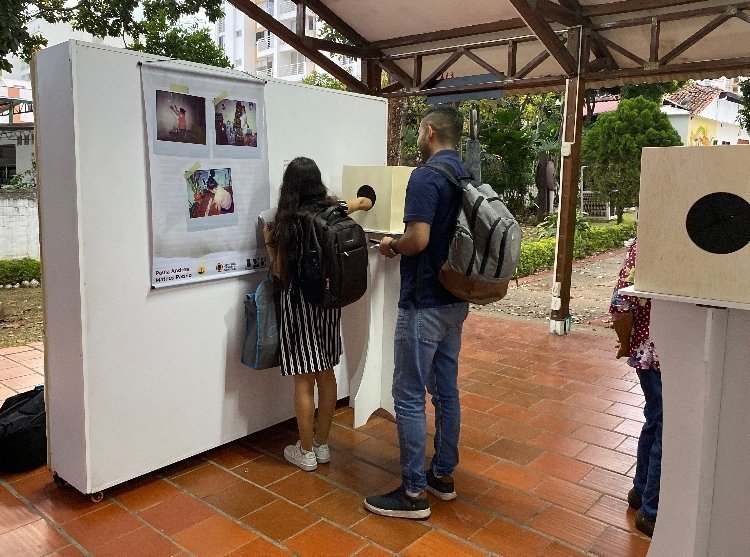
x=427 y=343
x=648 y=464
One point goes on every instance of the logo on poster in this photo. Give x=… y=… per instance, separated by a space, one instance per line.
x=226 y=267
x=201 y=270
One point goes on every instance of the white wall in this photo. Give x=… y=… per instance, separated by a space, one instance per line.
x=113 y=344
x=681 y=123
x=19 y=225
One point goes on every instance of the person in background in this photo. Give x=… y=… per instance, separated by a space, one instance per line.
x=310 y=336
x=632 y=317
x=429 y=325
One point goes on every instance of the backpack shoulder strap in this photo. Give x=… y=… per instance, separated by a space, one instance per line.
x=448 y=173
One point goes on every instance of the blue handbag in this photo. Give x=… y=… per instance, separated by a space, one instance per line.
x=260 y=349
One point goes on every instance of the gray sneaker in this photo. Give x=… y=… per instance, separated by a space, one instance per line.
x=398 y=504
x=322 y=453
x=304 y=460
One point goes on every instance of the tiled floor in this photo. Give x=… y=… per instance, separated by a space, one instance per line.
x=547 y=457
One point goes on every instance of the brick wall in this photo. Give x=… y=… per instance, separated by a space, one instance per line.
x=19 y=224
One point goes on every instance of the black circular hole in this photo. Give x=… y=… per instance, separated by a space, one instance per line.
x=719 y=223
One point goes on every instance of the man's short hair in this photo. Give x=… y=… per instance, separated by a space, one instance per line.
x=447 y=122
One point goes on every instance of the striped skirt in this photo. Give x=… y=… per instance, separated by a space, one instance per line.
x=310 y=336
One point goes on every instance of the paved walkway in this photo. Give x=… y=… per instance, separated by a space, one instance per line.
x=549 y=431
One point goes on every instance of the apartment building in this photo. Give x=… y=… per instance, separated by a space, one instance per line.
x=253 y=49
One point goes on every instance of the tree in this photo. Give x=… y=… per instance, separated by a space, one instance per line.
x=744 y=116
x=184 y=42
x=324 y=80
x=650 y=91
x=103 y=18
x=612 y=147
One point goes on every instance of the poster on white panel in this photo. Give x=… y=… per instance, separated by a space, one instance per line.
x=208 y=165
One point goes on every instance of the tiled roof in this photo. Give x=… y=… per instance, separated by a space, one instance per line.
x=694 y=97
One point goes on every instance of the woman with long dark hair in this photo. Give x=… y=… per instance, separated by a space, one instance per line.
x=310 y=335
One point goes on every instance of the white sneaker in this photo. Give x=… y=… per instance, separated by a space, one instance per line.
x=304 y=460
x=322 y=453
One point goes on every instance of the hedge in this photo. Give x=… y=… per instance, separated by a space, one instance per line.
x=13 y=271
x=539 y=255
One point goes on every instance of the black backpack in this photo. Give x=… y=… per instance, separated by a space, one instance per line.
x=23 y=431
x=332 y=270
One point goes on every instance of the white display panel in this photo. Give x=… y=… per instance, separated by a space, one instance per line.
x=136 y=378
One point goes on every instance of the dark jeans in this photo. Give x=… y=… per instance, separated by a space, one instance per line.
x=648 y=465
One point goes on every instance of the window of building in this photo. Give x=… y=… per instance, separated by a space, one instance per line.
x=311 y=22
x=221 y=41
x=260 y=36
x=238 y=63
x=220 y=25
x=238 y=33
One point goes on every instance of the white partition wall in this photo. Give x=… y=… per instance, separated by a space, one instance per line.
x=136 y=378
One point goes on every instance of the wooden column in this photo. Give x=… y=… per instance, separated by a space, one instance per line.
x=566 y=222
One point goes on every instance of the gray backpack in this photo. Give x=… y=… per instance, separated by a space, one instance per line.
x=486 y=245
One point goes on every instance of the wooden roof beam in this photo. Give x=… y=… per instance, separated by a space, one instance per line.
x=546 y=35
x=697 y=36
x=256 y=13
x=598 y=47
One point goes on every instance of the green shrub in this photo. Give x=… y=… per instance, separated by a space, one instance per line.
x=13 y=271
x=539 y=255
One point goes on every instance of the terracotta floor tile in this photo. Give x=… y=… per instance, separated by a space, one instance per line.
x=484 y=376
x=61 y=504
x=549 y=380
x=565 y=525
x=343 y=438
x=561 y=467
x=280 y=520
x=514 y=451
x=457 y=517
x=14 y=514
x=616 y=543
x=341 y=507
x=490 y=391
x=436 y=543
x=176 y=513
x=555 y=424
x=214 y=536
x=67 y=551
x=470 y=486
x=144 y=542
x=15 y=350
x=375 y=451
x=510 y=540
x=607 y=459
x=598 y=436
x=585 y=388
x=559 y=550
x=206 y=480
x=36 y=538
x=240 y=499
x=260 y=547
x=514 y=475
x=567 y=495
x=325 y=540
x=551 y=393
x=374 y=551
x=629 y=427
x=558 y=444
x=265 y=470
x=394 y=534
x=474 y=461
x=636 y=389
x=301 y=488
x=634 y=413
x=385 y=430
x=344 y=416
x=476 y=438
x=511 y=503
x=608 y=482
x=629 y=446
x=365 y=478
x=512 y=412
x=596 y=419
x=183 y=467
x=477 y=402
x=624 y=397
x=474 y=418
x=24 y=382
x=591 y=402
x=102 y=525
x=614 y=512
x=516 y=431
x=616 y=384
x=232 y=455
x=520 y=398
x=13 y=371
x=145 y=494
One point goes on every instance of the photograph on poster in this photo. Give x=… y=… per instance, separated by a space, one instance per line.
x=210 y=193
x=236 y=123
x=180 y=118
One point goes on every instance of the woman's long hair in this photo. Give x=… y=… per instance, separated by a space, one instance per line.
x=302 y=192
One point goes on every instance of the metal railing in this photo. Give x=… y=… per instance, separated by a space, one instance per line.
x=267 y=6
x=289 y=70
x=264 y=72
x=265 y=43
x=286 y=6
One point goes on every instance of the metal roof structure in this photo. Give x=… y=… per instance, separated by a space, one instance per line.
x=525 y=46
